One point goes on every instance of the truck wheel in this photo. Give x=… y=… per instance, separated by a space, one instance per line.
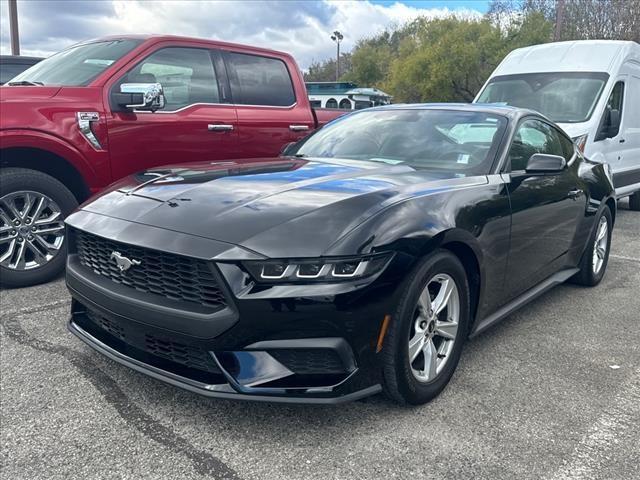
x=33 y=207
x=634 y=202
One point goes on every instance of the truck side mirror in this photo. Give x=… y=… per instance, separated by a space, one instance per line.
x=544 y=163
x=141 y=96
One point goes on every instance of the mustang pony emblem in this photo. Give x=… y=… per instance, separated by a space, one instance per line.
x=123 y=262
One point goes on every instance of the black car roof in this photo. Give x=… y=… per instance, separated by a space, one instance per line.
x=513 y=113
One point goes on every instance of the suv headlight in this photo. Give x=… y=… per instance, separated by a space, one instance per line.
x=328 y=269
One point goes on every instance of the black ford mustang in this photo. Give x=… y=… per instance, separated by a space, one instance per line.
x=360 y=261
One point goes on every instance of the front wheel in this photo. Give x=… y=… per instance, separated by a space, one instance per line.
x=33 y=207
x=425 y=338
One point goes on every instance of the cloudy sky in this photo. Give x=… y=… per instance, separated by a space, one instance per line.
x=299 y=27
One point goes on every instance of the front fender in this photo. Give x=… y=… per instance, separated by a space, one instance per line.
x=34 y=139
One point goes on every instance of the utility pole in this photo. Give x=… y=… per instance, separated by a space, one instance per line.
x=557 y=33
x=13 y=27
x=337 y=37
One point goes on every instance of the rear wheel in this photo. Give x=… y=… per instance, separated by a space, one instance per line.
x=425 y=338
x=596 y=256
x=634 y=202
x=33 y=207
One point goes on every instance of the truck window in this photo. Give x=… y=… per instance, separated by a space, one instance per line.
x=257 y=80
x=187 y=76
x=79 y=65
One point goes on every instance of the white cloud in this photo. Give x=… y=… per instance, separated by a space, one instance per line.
x=301 y=28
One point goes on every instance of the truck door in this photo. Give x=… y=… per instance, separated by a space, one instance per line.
x=196 y=124
x=269 y=113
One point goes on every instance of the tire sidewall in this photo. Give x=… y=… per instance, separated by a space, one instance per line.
x=596 y=278
x=16 y=179
x=412 y=390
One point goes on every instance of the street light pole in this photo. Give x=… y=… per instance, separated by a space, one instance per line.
x=337 y=37
x=13 y=27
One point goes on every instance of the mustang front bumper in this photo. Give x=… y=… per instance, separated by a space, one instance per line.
x=266 y=344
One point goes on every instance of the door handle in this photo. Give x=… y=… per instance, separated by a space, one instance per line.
x=574 y=194
x=219 y=127
x=298 y=128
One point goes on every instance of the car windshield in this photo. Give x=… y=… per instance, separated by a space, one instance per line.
x=457 y=141
x=565 y=97
x=76 y=66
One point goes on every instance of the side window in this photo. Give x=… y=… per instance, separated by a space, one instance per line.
x=260 y=81
x=615 y=99
x=186 y=74
x=345 y=104
x=568 y=147
x=615 y=103
x=533 y=136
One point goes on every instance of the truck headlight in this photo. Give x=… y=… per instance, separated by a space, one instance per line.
x=327 y=269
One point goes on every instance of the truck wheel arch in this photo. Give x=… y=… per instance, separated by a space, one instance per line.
x=50 y=163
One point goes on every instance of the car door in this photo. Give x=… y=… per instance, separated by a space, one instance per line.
x=546 y=207
x=196 y=124
x=269 y=113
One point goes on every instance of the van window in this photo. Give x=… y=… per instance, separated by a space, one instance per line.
x=259 y=80
x=615 y=103
x=564 y=97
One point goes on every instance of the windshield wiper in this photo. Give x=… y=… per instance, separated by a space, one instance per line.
x=26 y=83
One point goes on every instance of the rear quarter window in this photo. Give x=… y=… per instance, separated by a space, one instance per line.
x=257 y=80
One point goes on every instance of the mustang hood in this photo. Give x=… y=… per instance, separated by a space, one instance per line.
x=281 y=207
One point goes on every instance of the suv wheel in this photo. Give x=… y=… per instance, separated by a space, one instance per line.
x=634 y=202
x=33 y=207
x=425 y=338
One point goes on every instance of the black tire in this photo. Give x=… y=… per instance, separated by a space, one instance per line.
x=587 y=276
x=634 y=202
x=17 y=179
x=399 y=382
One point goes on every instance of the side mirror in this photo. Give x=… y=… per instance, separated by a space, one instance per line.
x=141 y=96
x=543 y=163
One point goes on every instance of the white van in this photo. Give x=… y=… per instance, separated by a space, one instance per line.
x=591 y=88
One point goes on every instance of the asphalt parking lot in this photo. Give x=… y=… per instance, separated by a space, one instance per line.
x=552 y=392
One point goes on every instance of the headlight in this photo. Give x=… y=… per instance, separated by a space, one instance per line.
x=580 y=141
x=336 y=269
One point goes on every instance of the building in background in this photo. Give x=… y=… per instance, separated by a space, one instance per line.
x=345 y=96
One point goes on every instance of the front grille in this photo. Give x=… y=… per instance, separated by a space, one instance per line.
x=175 y=277
x=309 y=361
x=150 y=342
x=187 y=355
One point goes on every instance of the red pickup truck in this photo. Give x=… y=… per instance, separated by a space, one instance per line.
x=100 y=110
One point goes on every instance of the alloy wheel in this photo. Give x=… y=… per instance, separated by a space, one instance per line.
x=435 y=327
x=601 y=245
x=31 y=230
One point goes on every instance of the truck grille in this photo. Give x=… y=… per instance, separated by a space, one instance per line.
x=175 y=277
